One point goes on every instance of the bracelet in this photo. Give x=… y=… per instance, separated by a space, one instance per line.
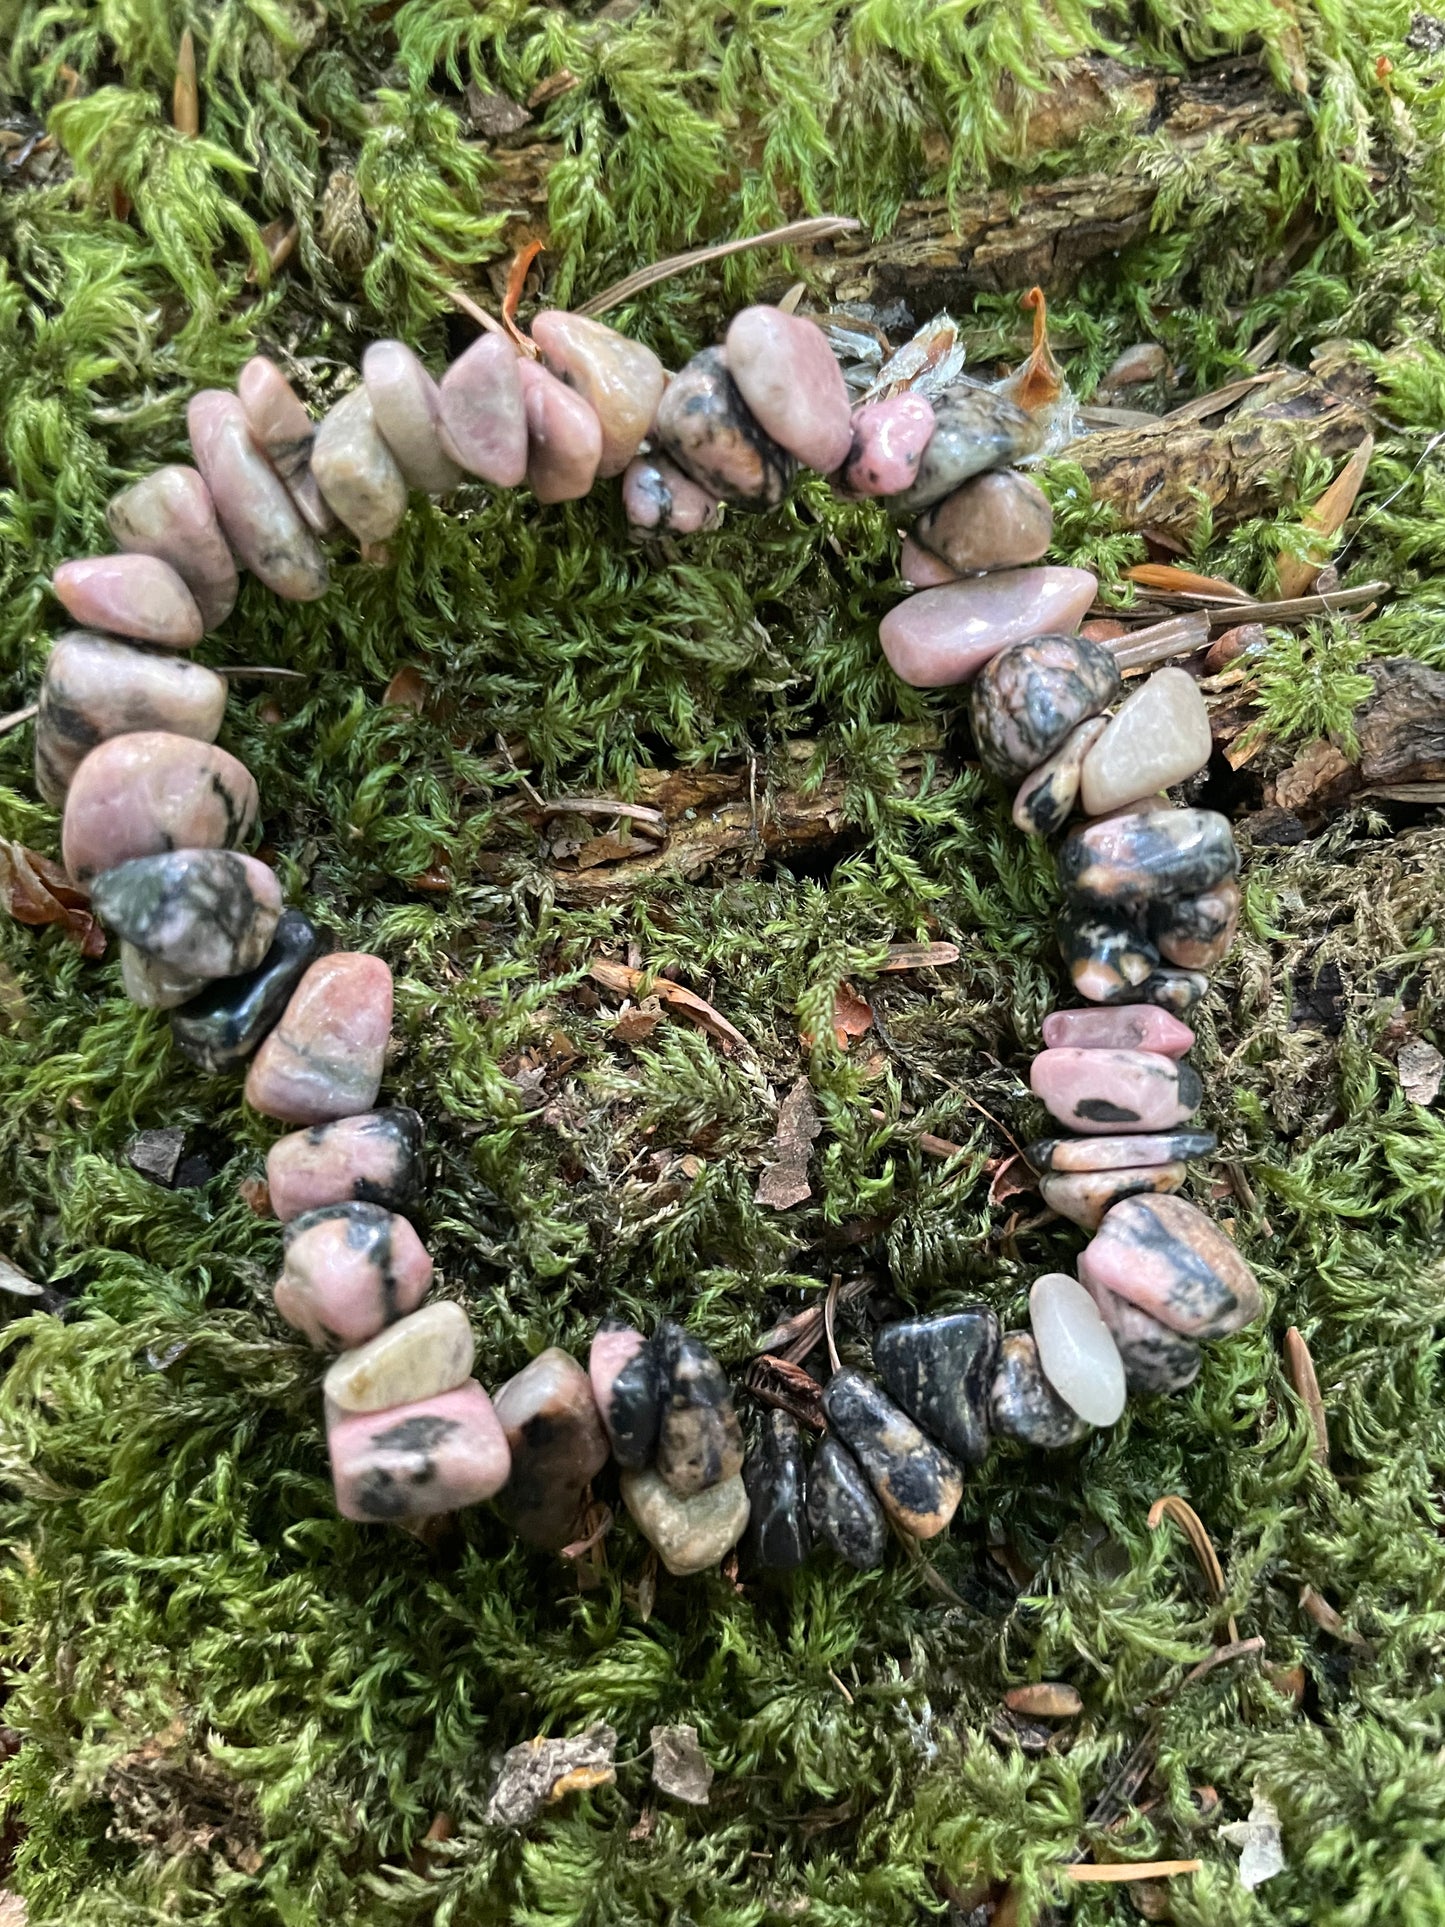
x=155 y=814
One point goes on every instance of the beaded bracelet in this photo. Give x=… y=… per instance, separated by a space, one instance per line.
x=154 y=814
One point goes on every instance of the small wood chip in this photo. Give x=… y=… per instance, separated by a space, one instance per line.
x=1325 y=518
x=1046 y=1699
x=784 y=1181
x=1132 y=1870
x=1301 y=1369
x=622 y=978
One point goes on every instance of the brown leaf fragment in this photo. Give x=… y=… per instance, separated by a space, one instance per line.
x=784 y=1181
x=1013 y=1175
x=679 y=1765
x=611 y=848
x=1045 y=1699
x=406 y=690
x=1325 y=518
x=638 y=1023
x=1171 y=578
x=36 y=890
x=1421 y=1069
x=622 y=978
x=1300 y=1368
x=920 y=956
x=540 y=1772
x=852 y=1017
x=562 y=82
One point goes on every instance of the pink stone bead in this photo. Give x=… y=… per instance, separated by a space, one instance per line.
x=1166 y=1257
x=261 y=520
x=1103 y=1092
x=356 y=471
x=1130 y=1027
x=484 y=414
x=558 y=1447
x=887 y=444
x=169 y=514
x=944 y=636
x=94 y=688
x=620 y=378
x=150 y=791
x=374 y=1158
x=407 y=406
x=790 y=378
x=283 y=431
x=350 y=1270
x=920 y=570
x=564 y=437
x=325 y=1057
x=658 y=496
x=130 y=595
x=414 y=1461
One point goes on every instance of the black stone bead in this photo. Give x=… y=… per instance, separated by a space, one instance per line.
x=634 y=1407
x=776 y=1476
x=1107 y=957
x=940 y=1370
x=842 y=1510
x=228 y=1021
x=699 y=1441
x=919 y=1486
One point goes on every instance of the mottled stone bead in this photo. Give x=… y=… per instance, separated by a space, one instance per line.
x=1119 y=1153
x=946 y=635
x=842 y=1511
x=94 y=689
x=659 y=498
x=919 y=569
x=689 y=1533
x=228 y=1022
x=790 y=379
x=699 y=1440
x=483 y=414
x=427 y=1352
x=1107 y=957
x=939 y=1371
x=1084 y=1196
x=1000 y=520
x=1174 y=990
x=406 y=407
x=1155 y=1359
x=707 y=428
x=973 y=429
x=1147 y=854
x=1139 y=1028
x=564 y=437
x=261 y=521
x=356 y=472
x=1159 y=736
x=887 y=445
x=1115 y=1091
x=627 y=1385
x=149 y=791
x=350 y=1270
x=169 y=514
x=620 y=379
x=130 y=595
x=373 y=1158
x=1167 y=1258
x=917 y=1485
x=1030 y=696
x=201 y=913
x=1048 y=794
x=776 y=1477
x=557 y=1444
x=1024 y=1406
x=1196 y=932
x=153 y=985
x=435 y=1455
x=324 y=1058
x=285 y=434
x=1076 y=1353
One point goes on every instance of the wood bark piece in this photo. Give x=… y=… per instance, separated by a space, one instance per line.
x=1401 y=727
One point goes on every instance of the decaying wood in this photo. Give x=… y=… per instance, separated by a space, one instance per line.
x=1401 y=727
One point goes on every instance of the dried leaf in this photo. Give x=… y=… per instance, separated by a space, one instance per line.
x=622 y=978
x=1301 y=1369
x=679 y=1765
x=784 y=1181
x=406 y=690
x=1040 y=381
x=540 y=1772
x=562 y=82
x=494 y=115
x=1421 y=1069
x=920 y=956
x=778 y=1381
x=637 y=1024
x=1171 y=578
x=37 y=891
x=851 y=1016
x=1261 y=1854
x=1325 y=518
x=1012 y=1176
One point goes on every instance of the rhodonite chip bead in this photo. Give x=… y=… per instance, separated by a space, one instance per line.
x=887 y=443
x=1118 y=1153
x=1113 y=1091
x=484 y=414
x=918 y=1486
x=1000 y=520
x=94 y=689
x=1155 y=1359
x=660 y=499
x=1047 y=794
x=416 y=1460
x=557 y=1444
x=132 y=595
x=708 y=430
x=421 y=1355
x=406 y=407
x=1166 y=1257
x=1024 y=1406
x=356 y=472
x=699 y=1440
x=262 y=522
x=1136 y=1027
x=372 y=1158
x=973 y=429
x=1076 y=1353
x=1031 y=696
x=627 y=1385
x=1196 y=932
x=169 y=514
x=151 y=791
x=227 y=1022
x=283 y=431
x=944 y=636
x=324 y=1058
x=350 y=1270
x=776 y=1477
x=1107 y=957
x=199 y=913
x=1147 y=856
x=790 y=379
x=1084 y=1196
x=621 y=380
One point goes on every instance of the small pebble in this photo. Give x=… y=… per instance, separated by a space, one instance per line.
x=262 y=523
x=350 y=1270
x=660 y=499
x=919 y=569
x=1101 y=1092
x=169 y=514
x=1046 y=1699
x=1084 y=1196
x=945 y=636
x=997 y=521
x=842 y=1511
x=1119 y=1153
x=406 y=406
x=1158 y=736
x=1107 y=957
x=200 y=913
x=130 y=595
x=94 y=689
x=157 y=1154
x=436 y=1455
x=1196 y=932
x=564 y=437
x=228 y=1022
x=776 y=1477
x=918 y=1486
x=1024 y=1406
x=1155 y=1358
x=324 y=1058
x=973 y=429
x=557 y=1444
x=1139 y=1028
x=1167 y=1258
x=790 y=379
x=356 y=472
x=372 y=1158
x=620 y=379
x=1249 y=639
x=484 y=415
x=1032 y=695
x=1143 y=855
x=1047 y=795
x=627 y=1385
x=1076 y=1353
x=150 y=791
x=939 y=1370
x=427 y=1352
x=887 y=444
x=153 y=985
x=699 y=1441
x=690 y=1534
x=707 y=428
x=283 y=431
